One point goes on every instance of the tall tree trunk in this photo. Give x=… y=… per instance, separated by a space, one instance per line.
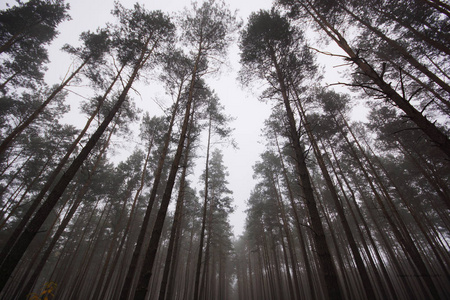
x=435 y=135
x=175 y=230
x=50 y=180
x=202 y=231
x=365 y=278
x=310 y=294
x=188 y=283
x=327 y=267
x=31 y=281
x=401 y=233
x=146 y=272
x=100 y=287
x=425 y=232
x=86 y=261
x=363 y=241
x=17 y=251
x=284 y=222
x=21 y=127
x=126 y=288
x=387 y=245
x=206 y=263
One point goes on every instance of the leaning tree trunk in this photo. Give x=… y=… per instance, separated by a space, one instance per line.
x=21 y=127
x=327 y=267
x=435 y=135
x=156 y=181
x=362 y=271
x=361 y=234
x=401 y=233
x=50 y=180
x=146 y=272
x=175 y=230
x=37 y=271
x=18 y=250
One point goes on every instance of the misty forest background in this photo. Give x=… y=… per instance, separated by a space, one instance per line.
x=341 y=209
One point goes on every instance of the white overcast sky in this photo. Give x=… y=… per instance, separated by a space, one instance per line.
x=240 y=103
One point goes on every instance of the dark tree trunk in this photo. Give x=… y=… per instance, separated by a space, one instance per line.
x=18 y=250
x=146 y=273
x=436 y=136
x=126 y=288
x=365 y=278
x=49 y=182
x=175 y=231
x=10 y=138
x=327 y=267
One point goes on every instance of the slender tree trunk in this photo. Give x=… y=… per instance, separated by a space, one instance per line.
x=23 y=279
x=126 y=288
x=363 y=241
x=9 y=139
x=207 y=265
x=117 y=231
x=30 y=231
x=365 y=278
x=175 y=230
x=250 y=274
x=49 y=182
x=325 y=260
x=397 y=268
x=3 y=85
x=202 y=231
x=349 y=286
x=67 y=274
x=188 y=283
x=86 y=261
x=283 y=220
x=146 y=272
x=65 y=221
x=425 y=232
x=309 y=278
x=401 y=233
x=439 y=138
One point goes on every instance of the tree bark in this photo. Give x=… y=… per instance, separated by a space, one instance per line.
x=126 y=288
x=365 y=278
x=21 y=127
x=439 y=138
x=50 y=180
x=30 y=231
x=146 y=273
x=175 y=231
x=327 y=267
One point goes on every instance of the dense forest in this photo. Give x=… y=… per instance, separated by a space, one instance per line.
x=340 y=209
